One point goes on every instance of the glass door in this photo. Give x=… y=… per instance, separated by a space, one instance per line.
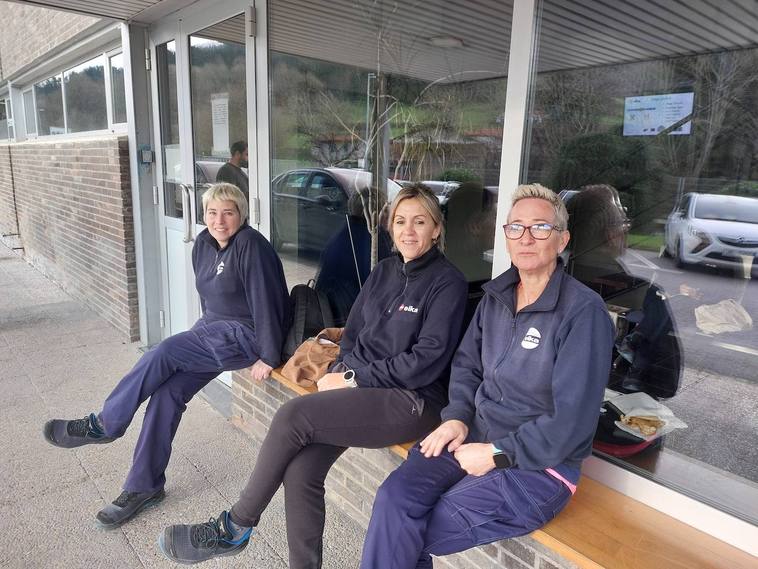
x=201 y=102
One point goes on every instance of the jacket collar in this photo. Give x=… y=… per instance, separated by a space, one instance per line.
x=413 y=268
x=206 y=237
x=503 y=288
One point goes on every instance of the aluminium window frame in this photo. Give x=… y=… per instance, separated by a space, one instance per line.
x=112 y=127
x=24 y=91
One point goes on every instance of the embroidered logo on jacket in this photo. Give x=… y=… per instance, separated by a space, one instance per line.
x=532 y=339
x=220 y=268
x=407 y=308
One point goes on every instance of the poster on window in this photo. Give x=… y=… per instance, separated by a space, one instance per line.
x=652 y=114
x=220 y=123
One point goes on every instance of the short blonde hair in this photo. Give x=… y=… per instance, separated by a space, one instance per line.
x=224 y=192
x=540 y=192
x=428 y=201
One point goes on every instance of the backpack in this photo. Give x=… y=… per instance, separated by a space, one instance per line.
x=310 y=312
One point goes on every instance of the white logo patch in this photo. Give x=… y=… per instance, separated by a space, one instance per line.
x=532 y=339
x=220 y=268
x=407 y=308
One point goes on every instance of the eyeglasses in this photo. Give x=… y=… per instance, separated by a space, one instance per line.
x=539 y=231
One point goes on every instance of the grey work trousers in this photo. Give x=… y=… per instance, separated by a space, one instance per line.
x=307 y=435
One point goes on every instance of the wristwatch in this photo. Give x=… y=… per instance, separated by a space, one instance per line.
x=349 y=378
x=501 y=459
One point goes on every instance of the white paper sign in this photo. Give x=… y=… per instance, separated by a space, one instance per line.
x=220 y=122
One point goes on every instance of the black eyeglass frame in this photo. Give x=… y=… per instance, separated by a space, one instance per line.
x=549 y=226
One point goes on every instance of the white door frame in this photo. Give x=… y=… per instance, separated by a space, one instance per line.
x=178 y=27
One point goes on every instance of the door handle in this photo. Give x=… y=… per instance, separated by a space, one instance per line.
x=187 y=212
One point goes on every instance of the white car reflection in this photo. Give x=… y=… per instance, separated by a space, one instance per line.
x=714 y=230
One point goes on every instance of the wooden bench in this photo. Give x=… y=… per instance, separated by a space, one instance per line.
x=602 y=528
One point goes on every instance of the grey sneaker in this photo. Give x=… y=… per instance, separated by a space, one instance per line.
x=189 y=544
x=76 y=433
x=126 y=506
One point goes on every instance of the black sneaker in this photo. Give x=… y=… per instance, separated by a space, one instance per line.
x=190 y=544
x=76 y=433
x=126 y=506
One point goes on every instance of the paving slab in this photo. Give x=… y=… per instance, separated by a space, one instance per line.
x=60 y=359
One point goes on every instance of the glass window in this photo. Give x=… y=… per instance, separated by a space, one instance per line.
x=29 y=115
x=165 y=64
x=118 y=93
x=85 y=96
x=401 y=94
x=48 y=97
x=647 y=125
x=219 y=104
x=3 y=120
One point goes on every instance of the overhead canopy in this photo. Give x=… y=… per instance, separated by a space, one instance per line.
x=459 y=40
x=142 y=11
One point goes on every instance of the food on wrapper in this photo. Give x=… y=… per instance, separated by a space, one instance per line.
x=646 y=424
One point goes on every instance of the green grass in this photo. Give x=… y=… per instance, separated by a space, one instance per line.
x=645 y=242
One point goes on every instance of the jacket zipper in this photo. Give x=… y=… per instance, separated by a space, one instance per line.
x=398 y=297
x=514 y=317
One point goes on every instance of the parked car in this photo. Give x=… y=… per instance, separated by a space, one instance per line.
x=310 y=203
x=713 y=230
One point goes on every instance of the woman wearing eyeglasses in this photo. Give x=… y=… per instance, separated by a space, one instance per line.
x=525 y=389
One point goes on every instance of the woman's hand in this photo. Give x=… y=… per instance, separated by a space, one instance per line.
x=259 y=371
x=451 y=433
x=330 y=381
x=475 y=458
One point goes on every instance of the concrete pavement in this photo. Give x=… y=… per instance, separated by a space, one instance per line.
x=59 y=359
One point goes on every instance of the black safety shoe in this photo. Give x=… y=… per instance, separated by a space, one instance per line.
x=126 y=506
x=190 y=544
x=76 y=433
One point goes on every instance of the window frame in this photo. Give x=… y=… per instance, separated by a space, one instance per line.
x=112 y=124
x=24 y=91
x=112 y=127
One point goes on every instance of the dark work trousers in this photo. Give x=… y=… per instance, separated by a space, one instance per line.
x=431 y=506
x=307 y=435
x=170 y=374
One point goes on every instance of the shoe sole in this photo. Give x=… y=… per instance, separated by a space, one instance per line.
x=154 y=501
x=167 y=555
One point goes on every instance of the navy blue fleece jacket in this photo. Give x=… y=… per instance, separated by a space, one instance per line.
x=405 y=324
x=532 y=383
x=244 y=281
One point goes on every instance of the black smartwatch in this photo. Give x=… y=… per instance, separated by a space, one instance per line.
x=501 y=459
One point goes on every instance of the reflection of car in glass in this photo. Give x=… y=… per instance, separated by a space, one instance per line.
x=206 y=171
x=310 y=204
x=713 y=230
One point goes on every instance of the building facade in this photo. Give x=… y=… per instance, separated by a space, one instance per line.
x=644 y=116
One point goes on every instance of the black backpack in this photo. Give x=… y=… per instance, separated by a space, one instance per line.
x=311 y=313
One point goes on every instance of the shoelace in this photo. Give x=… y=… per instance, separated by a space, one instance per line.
x=123 y=498
x=206 y=535
x=78 y=427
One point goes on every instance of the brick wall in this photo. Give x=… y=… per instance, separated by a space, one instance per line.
x=353 y=481
x=7 y=209
x=30 y=32
x=73 y=200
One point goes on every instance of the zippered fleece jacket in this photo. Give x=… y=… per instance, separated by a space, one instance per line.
x=404 y=326
x=532 y=383
x=244 y=282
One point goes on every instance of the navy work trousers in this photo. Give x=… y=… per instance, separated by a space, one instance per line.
x=430 y=506
x=170 y=374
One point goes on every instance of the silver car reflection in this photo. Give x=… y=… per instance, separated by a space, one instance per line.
x=714 y=230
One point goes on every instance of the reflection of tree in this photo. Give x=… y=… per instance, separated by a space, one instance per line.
x=85 y=99
x=578 y=119
x=217 y=67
